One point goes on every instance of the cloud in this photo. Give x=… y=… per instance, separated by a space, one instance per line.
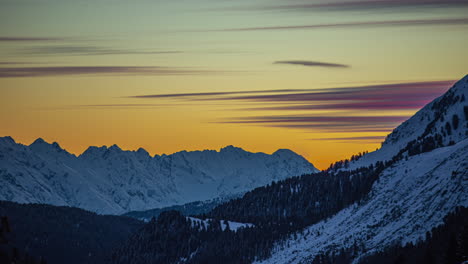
x=397 y=104
x=206 y=95
x=323 y=123
x=421 y=90
x=28 y=39
x=338 y=109
x=362 y=24
x=313 y=64
x=384 y=97
x=366 y=5
x=86 y=51
x=12 y=72
x=367 y=138
x=345 y=120
x=384 y=94
x=20 y=62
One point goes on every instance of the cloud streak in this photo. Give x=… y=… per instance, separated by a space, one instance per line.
x=367 y=5
x=312 y=64
x=350 y=124
x=368 y=139
x=86 y=51
x=339 y=109
x=27 y=39
x=360 y=24
x=207 y=95
x=14 y=72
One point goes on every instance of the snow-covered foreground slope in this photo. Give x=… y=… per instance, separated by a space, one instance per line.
x=112 y=181
x=409 y=199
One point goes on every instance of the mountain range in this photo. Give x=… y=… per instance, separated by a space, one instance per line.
x=109 y=180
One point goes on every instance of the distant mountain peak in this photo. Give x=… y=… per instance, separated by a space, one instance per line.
x=231 y=148
x=41 y=145
x=7 y=140
x=142 y=151
x=285 y=152
x=39 y=141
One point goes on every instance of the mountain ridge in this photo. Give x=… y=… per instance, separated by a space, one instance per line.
x=111 y=180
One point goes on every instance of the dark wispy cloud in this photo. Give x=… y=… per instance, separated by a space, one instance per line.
x=28 y=39
x=364 y=5
x=363 y=24
x=353 y=139
x=368 y=94
x=12 y=72
x=385 y=96
x=12 y=63
x=346 y=120
x=354 y=123
x=312 y=63
x=21 y=62
x=87 y=50
x=207 y=95
x=387 y=104
x=384 y=100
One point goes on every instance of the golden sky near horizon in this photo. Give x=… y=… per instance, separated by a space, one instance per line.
x=326 y=79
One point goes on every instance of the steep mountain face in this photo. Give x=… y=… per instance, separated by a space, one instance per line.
x=110 y=180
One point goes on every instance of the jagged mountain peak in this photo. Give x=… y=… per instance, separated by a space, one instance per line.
x=42 y=146
x=142 y=151
x=7 y=141
x=232 y=149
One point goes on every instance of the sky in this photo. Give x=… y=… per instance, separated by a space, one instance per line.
x=326 y=79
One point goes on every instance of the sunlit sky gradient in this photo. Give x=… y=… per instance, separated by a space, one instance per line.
x=326 y=79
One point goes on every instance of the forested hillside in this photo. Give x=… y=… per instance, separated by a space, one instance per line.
x=64 y=234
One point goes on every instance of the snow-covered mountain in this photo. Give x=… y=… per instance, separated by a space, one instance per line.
x=112 y=181
x=427 y=181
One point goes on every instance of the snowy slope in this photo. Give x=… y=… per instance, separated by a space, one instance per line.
x=110 y=180
x=409 y=199
x=428 y=121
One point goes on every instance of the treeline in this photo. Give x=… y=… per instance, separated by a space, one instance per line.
x=445 y=244
x=297 y=202
x=172 y=238
x=192 y=208
x=345 y=163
